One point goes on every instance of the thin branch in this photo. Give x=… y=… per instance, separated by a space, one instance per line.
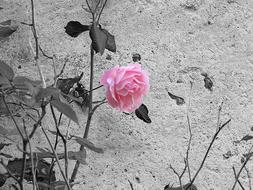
x=131 y=185
x=62 y=70
x=37 y=46
x=44 y=54
x=208 y=150
x=179 y=176
x=243 y=165
x=57 y=159
x=93 y=14
x=249 y=177
x=101 y=11
x=238 y=179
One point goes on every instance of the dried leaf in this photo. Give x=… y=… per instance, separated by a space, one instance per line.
x=179 y=100
x=208 y=82
x=6 y=70
x=88 y=144
x=142 y=113
x=80 y=156
x=66 y=109
x=136 y=57
x=98 y=38
x=2 y=145
x=247 y=138
x=74 y=28
x=227 y=155
x=7 y=28
x=110 y=41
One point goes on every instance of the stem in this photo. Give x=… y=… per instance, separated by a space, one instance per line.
x=208 y=150
x=90 y=113
x=238 y=179
x=37 y=46
x=57 y=159
x=23 y=163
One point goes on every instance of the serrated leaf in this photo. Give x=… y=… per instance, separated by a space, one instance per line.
x=6 y=70
x=2 y=145
x=142 y=113
x=98 y=38
x=110 y=41
x=88 y=144
x=7 y=28
x=74 y=28
x=66 y=109
x=247 y=138
x=80 y=156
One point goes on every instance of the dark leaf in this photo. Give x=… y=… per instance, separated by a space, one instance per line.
x=6 y=70
x=74 y=28
x=110 y=42
x=66 y=109
x=57 y=185
x=80 y=156
x=5 y=155
x=98 y=38
x=88 y=144
x=227 y=155
x=2 y=179
x=179 y=100
x=247 y=138
x=170 y=187
x=82 y=95
x=66 y=84
x=136 y=57
x=208 y=82
x=7 y=28
x=2 y=145
x=142 y=113
x=42 y=174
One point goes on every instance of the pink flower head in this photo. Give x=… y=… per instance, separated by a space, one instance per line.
x=125 y=86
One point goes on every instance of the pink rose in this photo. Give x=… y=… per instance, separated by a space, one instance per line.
x=125 y=86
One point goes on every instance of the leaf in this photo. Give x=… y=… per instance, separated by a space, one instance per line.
x=7 y=28
x=5 y=155
x=65 y=109
x=19 y=82
x=88 y=144
x=47 y=92
x=142 y=113
x=42 y=169
x=110 y=42
x=2 y=179
x=2 y=145
x=6 y=70
x=6 y=132
x=136 y=57
x=170 y=187
x=80 y=156
x=74 y=28
x=208 y=82
x=66 y=84
x=98 y=38
x=179 y=100
x=247 y=138
x=4 y=82
x=57 y=185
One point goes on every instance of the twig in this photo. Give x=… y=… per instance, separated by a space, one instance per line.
x=57 y=159
x=179 y=176
x=101 y=11
x=44 y=54
x=238 y=179
x=62 y=70
x=90 y=113
x=209 y=148
x=249 y=177
x=131 y=185
x=243 y=165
